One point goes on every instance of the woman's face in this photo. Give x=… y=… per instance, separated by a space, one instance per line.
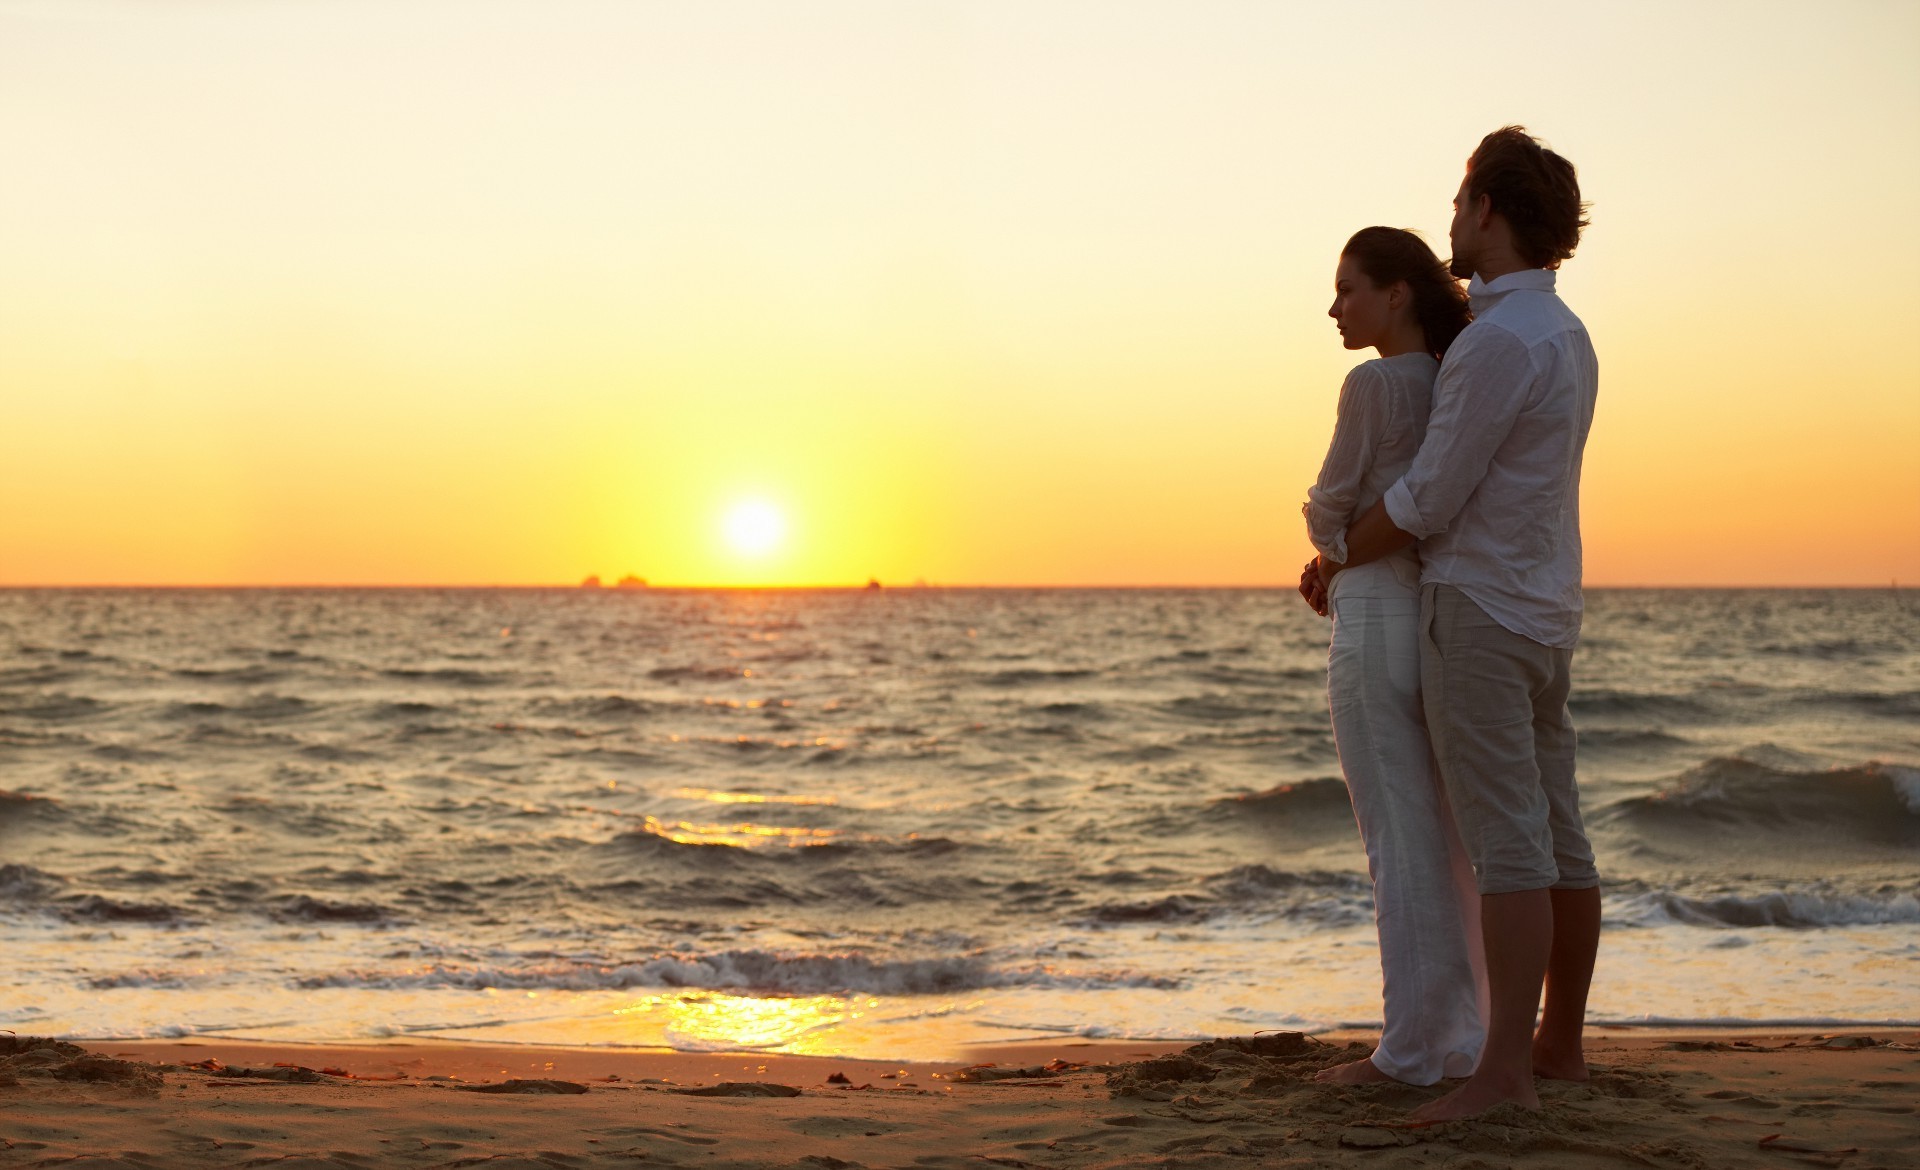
x=1363 y=312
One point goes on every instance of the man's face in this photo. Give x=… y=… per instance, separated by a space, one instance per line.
x=1463 y=234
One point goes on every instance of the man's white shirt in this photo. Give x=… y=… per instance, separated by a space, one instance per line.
x=1494 y=493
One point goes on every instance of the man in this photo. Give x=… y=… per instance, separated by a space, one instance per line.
x=1494 y=498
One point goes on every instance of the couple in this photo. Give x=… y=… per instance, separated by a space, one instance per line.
x=1448 y=674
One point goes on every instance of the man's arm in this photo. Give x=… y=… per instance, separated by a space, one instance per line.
x=1369 y=538
x=1480 y=392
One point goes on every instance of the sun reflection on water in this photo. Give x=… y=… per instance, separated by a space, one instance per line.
x=719 y=797
x=718 y=1023
x=745 y=835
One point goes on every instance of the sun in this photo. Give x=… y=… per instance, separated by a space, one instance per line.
x=754 y=528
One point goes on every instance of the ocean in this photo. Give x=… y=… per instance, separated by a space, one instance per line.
x=880 y=823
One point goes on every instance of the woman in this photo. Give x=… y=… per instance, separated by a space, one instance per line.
x=1393 y=295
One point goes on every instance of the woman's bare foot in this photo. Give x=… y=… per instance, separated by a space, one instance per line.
x=1557 y=1065
x=1354 y=1072
x=1477 y=1096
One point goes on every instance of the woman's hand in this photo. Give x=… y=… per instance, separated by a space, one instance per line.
x=1313 y=588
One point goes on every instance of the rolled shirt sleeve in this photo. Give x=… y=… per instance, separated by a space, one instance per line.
x=1357 y=430
x=1483 y=386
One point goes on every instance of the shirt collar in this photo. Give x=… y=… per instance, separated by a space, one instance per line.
x=1483 y=293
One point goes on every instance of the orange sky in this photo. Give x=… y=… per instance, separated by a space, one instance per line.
x=409 y=292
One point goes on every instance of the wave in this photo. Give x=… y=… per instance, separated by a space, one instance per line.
x=451 y=676
x=1830 y=649
x=1794 y=909
x=23 y=882
x=1239 y=676
x=408 y=710
x=750 y=841
x=55 y=708
x=243 y=675
x=1610 y=739
x=267 y=707
x=99 y=908
x=1260 y=881
x=1298 y=744
x=334 y=753
x=1883 y=704
x=1027 y=676
x=1303 y=798
x=1172 y=908
x=1604 y=703
x=1323 y=898
x=305 y=908
x=127 y=753
x=36 y=676
x=1213 y=708
x=1876 y=802
x=169 y=980
x=596 y=707
x=750 y=970
x=674 y=674
x=1303 y=811
x=222 y=734
x=621 y=755
x=1088 y=711
x=25 y=804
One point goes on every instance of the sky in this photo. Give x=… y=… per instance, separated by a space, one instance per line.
x=763 y=292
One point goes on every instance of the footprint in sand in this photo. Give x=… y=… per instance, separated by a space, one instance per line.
x=834 y=1127
x=691 y=1139
x=1736 y=1095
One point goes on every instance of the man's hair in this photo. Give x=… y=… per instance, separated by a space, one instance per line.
x=1534 y=189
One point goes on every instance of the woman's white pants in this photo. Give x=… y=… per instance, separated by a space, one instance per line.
x=1425 y=903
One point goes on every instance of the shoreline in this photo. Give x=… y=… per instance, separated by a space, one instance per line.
x=447 y=1055
x=1032 y=1050
x=1692 y=1098
x=479 y=1062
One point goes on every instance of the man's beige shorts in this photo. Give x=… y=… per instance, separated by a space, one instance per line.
x=1496 y=706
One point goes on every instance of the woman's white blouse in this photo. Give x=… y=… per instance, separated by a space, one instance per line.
x=1382 y=420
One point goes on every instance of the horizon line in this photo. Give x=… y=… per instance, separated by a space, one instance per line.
x=874 y=586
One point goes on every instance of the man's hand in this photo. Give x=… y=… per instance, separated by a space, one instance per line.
x=1371 y=537
x=1313 y=587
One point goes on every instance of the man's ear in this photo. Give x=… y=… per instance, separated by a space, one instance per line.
x=1483 y=212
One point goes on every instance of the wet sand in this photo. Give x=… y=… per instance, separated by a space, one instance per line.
x=1654 y=1100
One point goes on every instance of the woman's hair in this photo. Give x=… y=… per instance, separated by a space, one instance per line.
x=1390 y=255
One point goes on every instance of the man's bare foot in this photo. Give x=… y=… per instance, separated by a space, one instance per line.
x=1354 y=1072
x=1559 y=1065
x=1477 y=1096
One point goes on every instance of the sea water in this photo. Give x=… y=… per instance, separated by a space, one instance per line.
x=886 y=823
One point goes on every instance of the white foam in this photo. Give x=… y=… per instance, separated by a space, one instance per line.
x=746 y=970
x=1777 y=908
x=1651 y=1021
x=1906 y=781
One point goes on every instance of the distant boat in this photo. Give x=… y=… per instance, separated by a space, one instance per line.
x=631 y=582
x=873 y=582
x=592 y=583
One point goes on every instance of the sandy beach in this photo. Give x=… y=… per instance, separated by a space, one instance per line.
x=1654 y=1100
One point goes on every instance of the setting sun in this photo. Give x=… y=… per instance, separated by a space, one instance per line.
x=754 y=528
